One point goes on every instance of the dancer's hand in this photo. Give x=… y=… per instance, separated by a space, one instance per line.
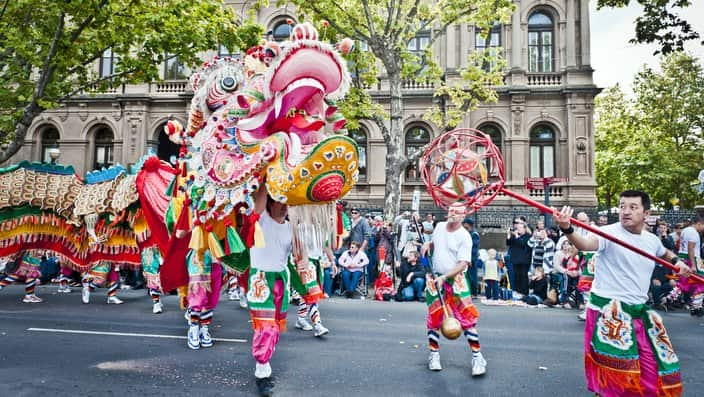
x=684 y=270
x=562 y=218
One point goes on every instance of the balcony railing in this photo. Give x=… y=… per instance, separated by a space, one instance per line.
x=544 y=79
x=95 y=90
x=170 y=87
x=410 y=84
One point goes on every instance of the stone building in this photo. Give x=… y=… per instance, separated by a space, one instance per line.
x=543 y=121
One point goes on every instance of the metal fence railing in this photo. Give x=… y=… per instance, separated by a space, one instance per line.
x=501 y=218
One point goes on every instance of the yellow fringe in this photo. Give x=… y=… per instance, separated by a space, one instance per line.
x=258 y=236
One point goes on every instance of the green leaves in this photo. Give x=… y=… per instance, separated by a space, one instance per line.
x=138 y=33
x=660 y=23
x=653 y=141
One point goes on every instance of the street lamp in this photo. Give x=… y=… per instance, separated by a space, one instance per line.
x=54 y=154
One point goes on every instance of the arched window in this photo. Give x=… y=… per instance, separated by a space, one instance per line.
x=542 y=151
x=281 y=31
x=540 y=42
x=49 y=140
x=360 y=137
x=162 y=145
x=416 y=138
x=495 y=134
x=490 y=41
x=103 y=148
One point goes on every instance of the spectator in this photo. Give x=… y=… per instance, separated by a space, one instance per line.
x=557 y=274
x=543 y=249
x=49 y=267
x=491 y=276
x=383 y=287
x=428 y=227
x=401 y=224
x=353 y=262
x=519 y=251
x=472 y=278
x=677 y=234
x=360 y=233
x=413 y=240
x=412 y=276
x=538 y=286
x=603 y=220
x=384 y=240
x=330 y=271
x=667 y=240
x=571 y=264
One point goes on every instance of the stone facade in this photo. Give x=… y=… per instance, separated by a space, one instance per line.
x=543 y=120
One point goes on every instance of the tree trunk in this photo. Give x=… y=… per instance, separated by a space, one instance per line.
x=395 y=154
x=30 y=112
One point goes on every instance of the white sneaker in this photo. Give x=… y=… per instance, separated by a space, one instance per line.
x=85 y=295
x=320 y=330
x=194 y=337
x=158 y=308
x=243 y=300
x=113 y=300
x=205 y=339
x=64 y=290
x=32 y=299
x=478 y=365
x=262 y=370
x=303 y=324
x=233 y=294
x=582 y=316
x=434 y=361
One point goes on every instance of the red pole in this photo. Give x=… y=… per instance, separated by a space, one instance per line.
x=596 y=231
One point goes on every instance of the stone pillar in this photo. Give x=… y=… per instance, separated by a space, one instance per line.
x=571 y=39
x=464 y=44
x=584 y=33
x=134 y=131
x=516 y=41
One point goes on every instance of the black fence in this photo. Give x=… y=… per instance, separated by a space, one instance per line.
x=501 y=218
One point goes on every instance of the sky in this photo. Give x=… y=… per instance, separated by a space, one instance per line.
x=614 y=59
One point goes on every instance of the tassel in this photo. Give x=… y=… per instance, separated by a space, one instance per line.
x=248 y=229
x=258 y=235
x=197 y=242
x=233 y=241
x=214 y=244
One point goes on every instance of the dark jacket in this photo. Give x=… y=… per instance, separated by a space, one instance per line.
x=518 y=249
x=402 y=272
x=539 y=287
x=384 y=238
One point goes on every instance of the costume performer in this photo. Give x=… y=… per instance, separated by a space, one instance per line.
x=690 y=242
x=307 y=283
x=627 y=351
x=204 y=283
x=151 y=260
x=268 y=287
x=452 y=253
x=29 y=270
x=104 y=273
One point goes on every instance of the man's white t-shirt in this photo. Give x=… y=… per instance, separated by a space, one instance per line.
x=690 y=234
x=623 y=274
x=450 y=248
x=278 y=239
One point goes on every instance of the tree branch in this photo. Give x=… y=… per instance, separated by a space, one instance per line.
x=47 y=68
x=76 y=33
x=94 y=82
x=337 y=26
x=368 y=16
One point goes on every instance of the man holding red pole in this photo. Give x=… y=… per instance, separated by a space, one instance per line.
x=626 y=347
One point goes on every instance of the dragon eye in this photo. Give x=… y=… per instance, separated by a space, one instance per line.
x=228 y=83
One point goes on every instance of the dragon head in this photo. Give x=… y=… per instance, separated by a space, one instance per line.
x=277 y=124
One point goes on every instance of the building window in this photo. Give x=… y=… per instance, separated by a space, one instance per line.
x=360 y=138
x=416 y=138
x=226 y=52
x=103 y=148
x=420 y=42
x=164 y=148
x=540 y=43
x=542 y=151
x=174 y=69
x=50 y=140
x=495 y=134
x=491 y=41
x=281 y=31
x=107 y=63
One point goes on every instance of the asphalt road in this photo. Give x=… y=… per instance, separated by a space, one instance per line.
x=373 y=349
